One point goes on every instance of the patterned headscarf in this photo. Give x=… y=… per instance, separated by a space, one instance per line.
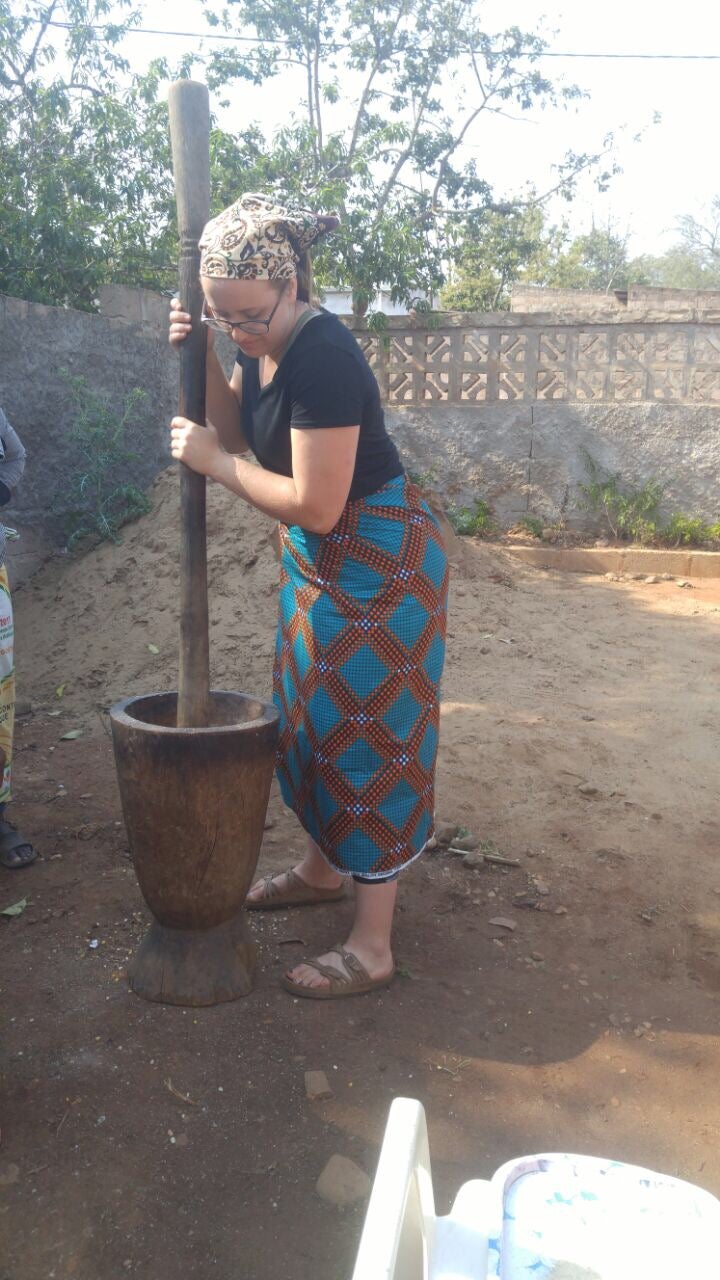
x=258 y=239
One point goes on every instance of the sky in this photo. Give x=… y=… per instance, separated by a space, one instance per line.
x=669 y=172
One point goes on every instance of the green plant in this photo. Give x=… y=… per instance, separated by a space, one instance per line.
x=532 y=525
x=471 y=521
x=632 y=515
x=687 y=531
x=422 y=313
x=423 y=479
x=377 y=323
x=100 y=500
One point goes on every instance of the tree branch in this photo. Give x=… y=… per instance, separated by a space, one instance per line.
x=45 y=23
x=361 y=111
x=316 y=78
x=401 y=160
x=587 y=163
x=451 y=150
x=381 y=52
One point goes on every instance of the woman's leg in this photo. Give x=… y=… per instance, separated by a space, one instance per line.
x=369 y=938
x=313 y=869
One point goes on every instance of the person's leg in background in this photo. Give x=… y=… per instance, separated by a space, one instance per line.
x=15 y=850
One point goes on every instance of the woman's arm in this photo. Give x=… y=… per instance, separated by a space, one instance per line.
x=12 y=463
x=223 y=401
x=223 y=398
x=323 y=462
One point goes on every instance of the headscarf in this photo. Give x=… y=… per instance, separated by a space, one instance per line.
x=258 y=239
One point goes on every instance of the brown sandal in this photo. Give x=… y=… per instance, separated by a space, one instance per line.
x=294 y=893
x=356 y=980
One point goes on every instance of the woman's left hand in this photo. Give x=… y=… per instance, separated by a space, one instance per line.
x=198 y=447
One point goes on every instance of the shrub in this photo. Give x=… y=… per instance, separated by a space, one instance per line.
x=101 y=502
x=632 y=515
x=471 y=521
x=533 y=525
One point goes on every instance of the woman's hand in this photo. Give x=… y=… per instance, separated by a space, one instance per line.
x=180 y=326
x=198 y=447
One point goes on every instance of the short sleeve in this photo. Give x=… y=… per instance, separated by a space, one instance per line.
x=327 y=389
x=12 y=460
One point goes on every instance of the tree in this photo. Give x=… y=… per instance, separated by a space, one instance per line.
x=676 y=269
x=701 y=239
x=495 y=250
x=692 y=263
x=392 y=89
x=84 y=156
x=597 y=260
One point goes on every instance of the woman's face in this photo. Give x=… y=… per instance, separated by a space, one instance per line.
x=253 y=300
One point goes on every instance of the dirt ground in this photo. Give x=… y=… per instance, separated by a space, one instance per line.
x=580 y=735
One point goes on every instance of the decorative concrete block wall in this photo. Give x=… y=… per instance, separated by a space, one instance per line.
x=503 y=407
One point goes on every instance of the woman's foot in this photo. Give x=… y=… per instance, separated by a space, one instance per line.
x=306 y=883
x=377 y=964
x=16 y=851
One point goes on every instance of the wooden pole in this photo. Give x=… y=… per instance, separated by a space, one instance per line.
x=190 y=139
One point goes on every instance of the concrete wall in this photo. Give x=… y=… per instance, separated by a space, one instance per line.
x=497 y=406
x=36 y=344
x=531 y=459
x=638 y=302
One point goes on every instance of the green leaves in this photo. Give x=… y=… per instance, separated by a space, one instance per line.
x=393 y=91
x=390 y=161
x=15 y=910
x=84 y=157
x=99 y=499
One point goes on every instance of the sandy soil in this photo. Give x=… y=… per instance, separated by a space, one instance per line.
x=581 y=732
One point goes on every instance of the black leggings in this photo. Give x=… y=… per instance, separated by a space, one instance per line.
x=376 y=879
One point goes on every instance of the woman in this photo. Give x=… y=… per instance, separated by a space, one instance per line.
x=363 y=584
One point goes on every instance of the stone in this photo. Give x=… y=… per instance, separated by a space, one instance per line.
x=528 y=900
x=586 y=789
x=316 y=1086
x=469 y=842
x=445 y=832
x=541 y=887
x=342 y=1182
x=503 y=922
x=651 y=579
x=23 y=707
x=9 y=1174
x=474 y=861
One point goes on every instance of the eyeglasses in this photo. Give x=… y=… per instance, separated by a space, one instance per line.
x=247 y=326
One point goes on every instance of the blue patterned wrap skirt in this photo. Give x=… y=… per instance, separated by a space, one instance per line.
x=359 y=656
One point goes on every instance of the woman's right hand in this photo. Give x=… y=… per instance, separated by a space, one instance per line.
x=180 y=326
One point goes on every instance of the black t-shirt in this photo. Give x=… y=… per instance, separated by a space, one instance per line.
x=323 y=380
